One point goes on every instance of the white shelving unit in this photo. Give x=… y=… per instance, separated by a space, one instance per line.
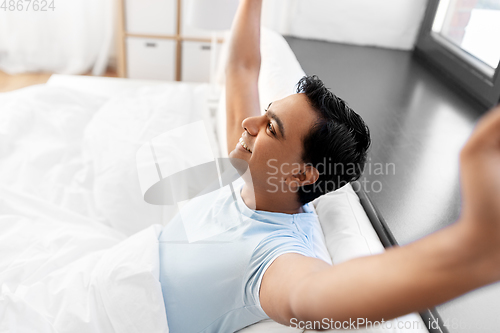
x=154 y=42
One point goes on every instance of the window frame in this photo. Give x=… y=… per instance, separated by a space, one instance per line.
x=465 y=70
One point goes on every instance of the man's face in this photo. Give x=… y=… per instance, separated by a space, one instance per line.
x=275 y=141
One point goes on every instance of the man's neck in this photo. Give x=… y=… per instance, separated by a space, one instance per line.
x=272 y=202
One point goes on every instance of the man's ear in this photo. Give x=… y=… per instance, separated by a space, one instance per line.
x=307 y=176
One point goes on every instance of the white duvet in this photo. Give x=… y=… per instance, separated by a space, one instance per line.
x=63 y=268
x=63 y=273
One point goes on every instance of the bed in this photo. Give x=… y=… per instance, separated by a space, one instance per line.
x=78 y=243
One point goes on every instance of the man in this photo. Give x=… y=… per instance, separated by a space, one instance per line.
x=446 y=264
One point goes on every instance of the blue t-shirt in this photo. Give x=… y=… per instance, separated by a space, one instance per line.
x=212 y=284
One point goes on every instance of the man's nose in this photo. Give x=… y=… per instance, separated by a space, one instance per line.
x=252 y=125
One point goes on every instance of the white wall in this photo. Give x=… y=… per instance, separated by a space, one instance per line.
x=382 y=23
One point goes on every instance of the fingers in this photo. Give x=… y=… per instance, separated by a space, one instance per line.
x=486 y=135
x=480 y=172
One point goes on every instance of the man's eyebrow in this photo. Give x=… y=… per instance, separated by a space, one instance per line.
x=273 y=115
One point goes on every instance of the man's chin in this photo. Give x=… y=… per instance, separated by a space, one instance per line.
x=238 y=153
x=238 y=161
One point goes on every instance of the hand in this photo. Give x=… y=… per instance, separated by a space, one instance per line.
x=480 y=171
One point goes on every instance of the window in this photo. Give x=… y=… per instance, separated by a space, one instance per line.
x=462 y=37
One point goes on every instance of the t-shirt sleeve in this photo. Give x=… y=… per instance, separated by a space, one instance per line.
x=270 y=248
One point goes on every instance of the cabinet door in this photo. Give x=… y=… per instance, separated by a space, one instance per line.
x=151 y=17
x=195 y=61
x=150 y=58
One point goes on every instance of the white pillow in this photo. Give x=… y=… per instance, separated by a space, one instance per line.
x=280 y=71
x=347 y=229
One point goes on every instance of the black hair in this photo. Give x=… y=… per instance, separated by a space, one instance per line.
x=336 y=145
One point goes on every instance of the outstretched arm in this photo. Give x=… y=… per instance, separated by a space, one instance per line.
x=430 y=271
x=242 y=69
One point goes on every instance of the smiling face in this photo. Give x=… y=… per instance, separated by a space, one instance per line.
x=272 y=144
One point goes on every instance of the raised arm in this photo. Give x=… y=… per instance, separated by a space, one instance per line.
x=430 y=271
x=242 y=69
